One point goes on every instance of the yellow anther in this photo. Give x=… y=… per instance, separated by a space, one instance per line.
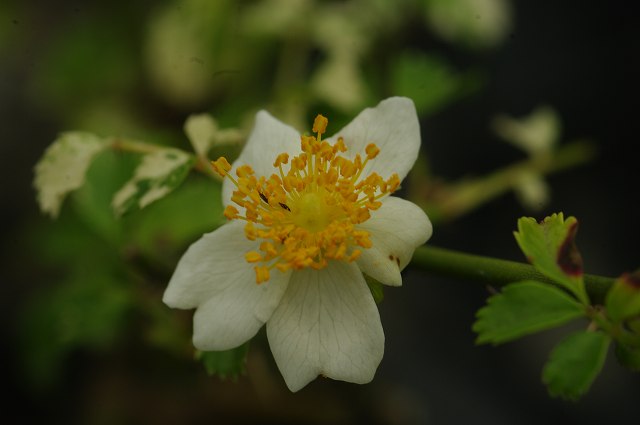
x=373 y=205
x=354 y=255
x=299 y=162
x=393 y=183
x=269 y=249
x=262 y=274
x=283 y=158
x=306 y=143
x=340 y=146
x=221 y=166
x=372 y=151
x=250 y=231
x=360 y=216
x=320 y=124
x=253 y=257
x=347 y=169
x=238 y=198
x=231 y=212
x=244 y=171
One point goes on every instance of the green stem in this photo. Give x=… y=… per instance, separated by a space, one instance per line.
x=127 y=145
x=201 y=164
x=493 y=271
x=457 y=199
x=616 y=330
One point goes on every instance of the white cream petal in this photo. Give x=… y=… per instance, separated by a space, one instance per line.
x=326 y=324
x=268 y=139
x=214 y=277
x=393 y=126
x=396 y=230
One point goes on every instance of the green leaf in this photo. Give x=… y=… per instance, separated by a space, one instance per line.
x=523 y=308
x=92 y=202
x=63 y=167
x=623 y=299
x=550 y=247
x=225 y=364
x=628 y=357
x=575 y=363
x=157 y=175
x=376 y=288
x=429 y=81
x=162 y=230
x=634 y=325
x=89 y=310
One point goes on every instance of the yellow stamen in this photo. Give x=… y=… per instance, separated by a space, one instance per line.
x=231 y=212
x=253 y=257
x=221 y=166
x=320 y=124
x=372 y=151
x=262 y=274
x=309 y=214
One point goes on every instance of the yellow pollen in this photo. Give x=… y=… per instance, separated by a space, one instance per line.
x=308 y=214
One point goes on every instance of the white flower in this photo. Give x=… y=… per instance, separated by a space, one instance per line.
x=307 y=218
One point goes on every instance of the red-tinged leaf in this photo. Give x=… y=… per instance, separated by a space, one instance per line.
x=550 y=247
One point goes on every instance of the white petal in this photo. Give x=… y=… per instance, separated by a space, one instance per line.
x=214 y=276
x=396 y=230
x=393 y=126
x=268 y=139
x=326 y=324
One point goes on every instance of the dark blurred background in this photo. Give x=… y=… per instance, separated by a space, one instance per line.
x=578 y=56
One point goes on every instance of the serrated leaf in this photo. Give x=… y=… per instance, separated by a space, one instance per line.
x=575 y=363
x=550 y=247
x=157 y=175
x=623 y=299
x=523 y=308
x=63 y=167
x=225 y=364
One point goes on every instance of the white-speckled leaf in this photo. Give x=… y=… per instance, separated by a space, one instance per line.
x=63 y=167
x=156 y=176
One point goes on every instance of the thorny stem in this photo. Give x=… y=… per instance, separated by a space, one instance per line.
x=493 y=271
